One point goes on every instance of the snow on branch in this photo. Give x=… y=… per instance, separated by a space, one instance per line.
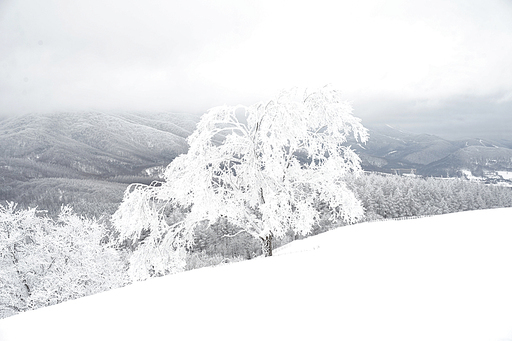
x=264 y=172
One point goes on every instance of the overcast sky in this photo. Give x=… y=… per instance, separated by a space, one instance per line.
x=433 y=66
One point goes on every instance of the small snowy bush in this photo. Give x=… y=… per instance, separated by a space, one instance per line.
x=44 y=262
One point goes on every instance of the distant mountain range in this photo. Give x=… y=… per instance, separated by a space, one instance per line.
x=391 y=150
x=90 y=145
x=87 y=159
x=53 y=159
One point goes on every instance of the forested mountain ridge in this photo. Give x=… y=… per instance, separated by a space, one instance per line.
x=91 y=144
x=87 y=159
x=389 y=149
x=53 y=159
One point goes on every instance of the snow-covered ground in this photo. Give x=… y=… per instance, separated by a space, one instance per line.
x=439 y=278
x=505 y=175
x=468 y=175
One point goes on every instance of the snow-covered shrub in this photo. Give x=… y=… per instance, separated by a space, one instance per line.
x=155 y=231
x=44 y=262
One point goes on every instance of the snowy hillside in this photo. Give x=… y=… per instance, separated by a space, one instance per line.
x=440 y=278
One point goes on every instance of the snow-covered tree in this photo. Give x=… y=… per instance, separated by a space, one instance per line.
x=155 y=231
x=44 y=262
x=263 y=168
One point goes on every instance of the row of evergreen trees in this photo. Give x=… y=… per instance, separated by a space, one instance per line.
x=394 y=196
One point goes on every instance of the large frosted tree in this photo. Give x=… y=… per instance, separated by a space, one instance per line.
x=263 y=168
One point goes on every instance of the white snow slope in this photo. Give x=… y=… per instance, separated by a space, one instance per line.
x=440 y=278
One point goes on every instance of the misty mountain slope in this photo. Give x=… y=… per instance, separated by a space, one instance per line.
x=121 y=148
x=181 y=125
x=133 y=147
x=440 y=278
x=94 y=134
x=479 y=160
x=389 y=148
x=95 y=143
x=428 y=148
x=107 y=145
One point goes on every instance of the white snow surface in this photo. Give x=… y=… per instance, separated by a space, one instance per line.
x=439 y=278
x=505 y=175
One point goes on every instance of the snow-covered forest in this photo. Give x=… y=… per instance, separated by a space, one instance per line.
x=47 y=261
x=391 y=196
x=272 y=169
x=440 y=278
x=248 y=184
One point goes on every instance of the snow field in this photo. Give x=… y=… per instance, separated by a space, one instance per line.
x=438 y=278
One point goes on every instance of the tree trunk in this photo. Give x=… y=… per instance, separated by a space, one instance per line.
x=266 y=245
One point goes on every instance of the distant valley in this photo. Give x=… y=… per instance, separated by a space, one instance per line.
x=392 y=151
x=87 y=159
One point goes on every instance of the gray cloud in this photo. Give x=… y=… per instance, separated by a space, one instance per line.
x=415 y=63
x=112 y=54
x=457 y=117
